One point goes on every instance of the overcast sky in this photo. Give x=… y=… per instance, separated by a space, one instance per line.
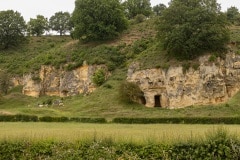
x=31 y=8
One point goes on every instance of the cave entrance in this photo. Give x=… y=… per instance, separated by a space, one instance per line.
x=157 y=100
x=143 y=100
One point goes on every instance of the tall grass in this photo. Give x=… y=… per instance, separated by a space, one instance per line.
x=119 y=133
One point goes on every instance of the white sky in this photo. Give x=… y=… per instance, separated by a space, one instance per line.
x=47 y=8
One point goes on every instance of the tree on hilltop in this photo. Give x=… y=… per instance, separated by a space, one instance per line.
x=12 y=29
x=232 y=15
x=60 y=22
x=158 y=9
x=98 y=19
x=37 y=26
x=137 y=7
x=188 y=28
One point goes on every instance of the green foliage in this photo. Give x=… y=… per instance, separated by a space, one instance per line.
x=137 y=7
x=89 y=120
x=37 y=26
x=232 y=15
x=98 y=20
x=158 y=9
x=217 y=148
x=187 y=29
x=99 y=77
x=130 y=92
x=12 y=29
x=53 y=119
x=4 y=82
x=179 y=120
x=18 y=118
x=140 y=45
x=61 y=22
x=139 y=18
x=212 y=58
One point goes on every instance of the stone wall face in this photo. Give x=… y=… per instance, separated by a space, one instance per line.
x=211 y=83
x=58 y=82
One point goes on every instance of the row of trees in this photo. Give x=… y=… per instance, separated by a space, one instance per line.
x=13 y=28
x=59 y=22
x=91 y=20
x=186 y=28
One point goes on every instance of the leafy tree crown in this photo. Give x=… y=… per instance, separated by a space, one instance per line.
x=98 y=19
x=188 y=28
x=12 y=29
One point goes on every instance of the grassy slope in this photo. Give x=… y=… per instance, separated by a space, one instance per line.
x=104 y=102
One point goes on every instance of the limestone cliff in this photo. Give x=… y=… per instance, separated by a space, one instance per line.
x=211 y=83
x=57 y=82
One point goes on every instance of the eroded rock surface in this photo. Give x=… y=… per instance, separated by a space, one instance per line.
x=57 y=82
x=211 y=83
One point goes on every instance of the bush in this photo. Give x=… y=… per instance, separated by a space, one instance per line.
x=179 y=120
x=26 y=118
x=7 y=118
x=139 y=18
x=223 y=147
x=129 y=92
x=98 y=77
x=89 y=120
x=140 y=46
x=53 y=119
x=212 y=58
x=18 y=118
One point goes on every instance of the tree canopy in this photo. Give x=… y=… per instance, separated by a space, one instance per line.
x=98 y=19
x=158 y=9
x=135 y=7
x=12 y=29
x=38 y=25
x=190 y=28
x=60 y=22
x=233 y=15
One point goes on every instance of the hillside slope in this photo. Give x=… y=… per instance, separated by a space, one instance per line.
x=136 y=44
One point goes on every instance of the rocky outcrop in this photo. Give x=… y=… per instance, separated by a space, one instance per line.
x=211 y=83
x=57 y=82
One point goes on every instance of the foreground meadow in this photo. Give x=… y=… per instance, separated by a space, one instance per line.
x=63 y=141
x=133 y=133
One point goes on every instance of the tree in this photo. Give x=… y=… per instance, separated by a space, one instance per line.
x=4 y=82
x=98 y=19
x=135 y=7
x=158 y=9
x=12 y=29
x=60 y=22
x=232 y=14
x=190 y=28
x=37 y=26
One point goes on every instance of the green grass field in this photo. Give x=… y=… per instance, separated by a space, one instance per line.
x=140 y=134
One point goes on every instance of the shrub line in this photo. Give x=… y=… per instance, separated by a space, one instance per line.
x=163 y=120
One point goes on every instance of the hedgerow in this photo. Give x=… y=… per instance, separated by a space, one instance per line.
x=218 y=148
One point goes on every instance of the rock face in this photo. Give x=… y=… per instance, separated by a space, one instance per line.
x=211 y=83
x=57 y=82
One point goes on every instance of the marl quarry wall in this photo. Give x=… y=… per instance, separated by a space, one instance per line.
x=58 y=82
x=211 y=83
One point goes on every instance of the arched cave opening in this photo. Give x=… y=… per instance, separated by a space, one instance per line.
x=143 y=100
x=157 y=100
